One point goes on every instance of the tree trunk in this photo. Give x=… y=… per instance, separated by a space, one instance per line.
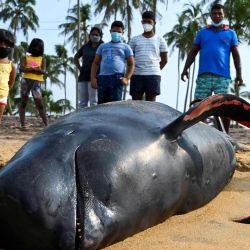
x=78 y=47
x=129 y=37
x=178 y=83
x=65 y=90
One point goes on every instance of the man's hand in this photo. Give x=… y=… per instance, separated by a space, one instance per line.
x=184 y=75
x=94 y=83
x=239 y=81
x=124 y=81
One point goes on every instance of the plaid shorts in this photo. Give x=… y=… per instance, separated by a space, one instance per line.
x=207 y=84
x=34 y=86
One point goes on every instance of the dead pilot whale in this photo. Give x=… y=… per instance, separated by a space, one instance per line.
x=105 y=173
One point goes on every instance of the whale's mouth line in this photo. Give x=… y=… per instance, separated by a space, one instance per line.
x=79 y=237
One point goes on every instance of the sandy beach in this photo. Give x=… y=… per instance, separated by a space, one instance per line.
x=210 y=227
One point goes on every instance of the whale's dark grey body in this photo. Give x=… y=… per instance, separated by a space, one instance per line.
x=105 y=173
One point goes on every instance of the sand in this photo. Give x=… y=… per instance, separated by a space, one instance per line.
x=210 y=227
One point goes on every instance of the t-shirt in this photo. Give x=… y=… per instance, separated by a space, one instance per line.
x=5 y=69
x=33 y=62
x=114 y=56
x=87 y=53
x=147 y=54
x=215 y=47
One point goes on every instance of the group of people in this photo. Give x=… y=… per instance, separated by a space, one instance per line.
x=106 y=67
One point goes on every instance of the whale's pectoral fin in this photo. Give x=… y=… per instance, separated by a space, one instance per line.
x=225 y=105
x=186 y=144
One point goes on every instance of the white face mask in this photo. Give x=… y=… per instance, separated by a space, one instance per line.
x=147 y=27
x=218 y=24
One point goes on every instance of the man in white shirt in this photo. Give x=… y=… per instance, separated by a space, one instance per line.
x=150 y=52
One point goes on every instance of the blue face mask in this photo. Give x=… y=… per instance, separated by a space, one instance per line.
x=116 y=37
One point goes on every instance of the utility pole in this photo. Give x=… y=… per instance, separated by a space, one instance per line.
x=78 y=47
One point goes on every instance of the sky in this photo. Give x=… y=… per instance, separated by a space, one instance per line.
x=50 y=16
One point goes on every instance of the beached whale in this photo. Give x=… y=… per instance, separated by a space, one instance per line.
x=107 y=172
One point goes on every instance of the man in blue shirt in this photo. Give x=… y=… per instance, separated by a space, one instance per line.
x=215 y=44
x=112 y=58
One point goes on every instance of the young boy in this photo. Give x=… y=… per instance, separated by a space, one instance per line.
x=150 y=58
x=112 y=58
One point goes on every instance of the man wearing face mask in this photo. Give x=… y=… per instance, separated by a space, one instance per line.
x=215 y=44
x=112 y=58
x=87 y=95
x=150 y=52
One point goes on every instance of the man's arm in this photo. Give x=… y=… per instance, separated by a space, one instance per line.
x=237 y=65
x=164 y=59
x=190 y=59
x=94 y=68
x=130 y=70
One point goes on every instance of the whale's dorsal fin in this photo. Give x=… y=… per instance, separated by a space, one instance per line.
x=225 y=105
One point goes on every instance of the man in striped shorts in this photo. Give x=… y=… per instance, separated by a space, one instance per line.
x=215 y=44
x=150 y=52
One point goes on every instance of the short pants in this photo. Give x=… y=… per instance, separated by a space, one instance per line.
x=149 y=84
x=109 y=88
x=3 y=101
x=207 y=84
x=34 y=86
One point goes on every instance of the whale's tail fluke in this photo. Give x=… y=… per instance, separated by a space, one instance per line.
x=225 y=105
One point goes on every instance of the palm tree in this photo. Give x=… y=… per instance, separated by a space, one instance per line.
x=177 y=39
x=65 y=63
x=182 y=37
x=60 y=106
x=55 y=107
x=69 y=29
x=149 y=4
x=53 y=71
x=237 y=90
x=239 y=18
x=21 y=15
x=114 y=7
x=110 y=8
x=195 y=20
